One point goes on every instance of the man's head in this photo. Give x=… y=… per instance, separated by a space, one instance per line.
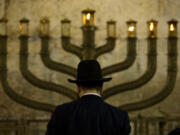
x=88 y=88
x=89 y=77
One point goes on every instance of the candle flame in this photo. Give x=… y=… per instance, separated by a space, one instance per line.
x=131 y=28
x=88 y=16
x=171 y=28
x=20 y=28
x=151 y=26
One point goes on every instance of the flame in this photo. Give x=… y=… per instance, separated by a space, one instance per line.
x=151 y=26
x=131 y=28
x=171 y=27
x=88 y=16
x=21 y=28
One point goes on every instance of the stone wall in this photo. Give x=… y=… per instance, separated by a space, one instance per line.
x=119 y=10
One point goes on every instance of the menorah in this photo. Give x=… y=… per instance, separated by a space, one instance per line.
x=88 y=50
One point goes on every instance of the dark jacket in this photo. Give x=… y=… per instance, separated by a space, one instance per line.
x=89 y=115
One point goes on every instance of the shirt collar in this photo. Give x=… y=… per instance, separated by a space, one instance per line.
x=96 y=94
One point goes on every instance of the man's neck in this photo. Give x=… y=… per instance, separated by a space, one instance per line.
x=89 y=92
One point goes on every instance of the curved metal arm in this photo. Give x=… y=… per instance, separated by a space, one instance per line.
x=52 y=64
x=70 y=47
x=171 y=79
x=109 y=46
x=34 y=80
x=131 y=56
x=151 y=69
x=9 y=91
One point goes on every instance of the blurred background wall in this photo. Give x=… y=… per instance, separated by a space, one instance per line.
x=119 y=10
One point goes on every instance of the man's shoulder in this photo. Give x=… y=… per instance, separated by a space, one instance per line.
x=67 y=105
x=118 y=110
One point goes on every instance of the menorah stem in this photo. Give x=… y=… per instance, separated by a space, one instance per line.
x=168 y=88
x=131 y=56
x=88 y=36
x=151 y=69
x=52 y=64
x=45 y=85
x=9 y=91
x=71 y=47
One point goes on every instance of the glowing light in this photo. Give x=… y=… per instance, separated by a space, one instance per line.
x=21 y=28
x=151 y=26
x=171 y=27
x=88 y=16
x=131 y=28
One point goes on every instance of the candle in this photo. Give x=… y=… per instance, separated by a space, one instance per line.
x=111 y=29
x=88 y=17
x=3 y=27
x=131 y=28
x=65 y=28
x=152 y=28
x=172 y=28
x=23 y=28
x=44 y=27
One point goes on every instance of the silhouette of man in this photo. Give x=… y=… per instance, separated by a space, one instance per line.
x=88 y=115
x=175 y=132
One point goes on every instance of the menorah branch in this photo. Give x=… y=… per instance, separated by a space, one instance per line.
x=109 y=46
x=131 y=56
x=168 y=88
x=66 y=44
x=150 y=71
x=44 y=85
x=52 y=64
x=9 y=91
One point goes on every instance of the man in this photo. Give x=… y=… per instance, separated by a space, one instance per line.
x=175 y=132
x=88 y=115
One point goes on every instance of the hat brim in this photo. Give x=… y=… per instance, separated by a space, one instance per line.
x=84 y=81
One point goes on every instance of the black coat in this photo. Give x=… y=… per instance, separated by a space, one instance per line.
x=89 y=115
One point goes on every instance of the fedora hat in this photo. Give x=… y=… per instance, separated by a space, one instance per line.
x=89 y=71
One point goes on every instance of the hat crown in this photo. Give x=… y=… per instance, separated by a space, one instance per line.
x=89 y=70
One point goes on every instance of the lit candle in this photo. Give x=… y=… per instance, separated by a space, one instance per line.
x=172 y=28
x=152 y=28
x=23 y=28
x=88 y=17
x=65 y=28
x=44 y=27
x=131 y=28
x=3 y=27
x=111 y=29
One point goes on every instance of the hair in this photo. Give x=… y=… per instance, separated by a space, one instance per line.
x=91 y=86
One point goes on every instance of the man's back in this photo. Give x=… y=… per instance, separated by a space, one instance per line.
x=89 y=115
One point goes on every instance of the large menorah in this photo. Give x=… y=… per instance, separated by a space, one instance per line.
x=88 y=50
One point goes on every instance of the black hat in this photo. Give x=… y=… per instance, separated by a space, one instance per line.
x=89 y=71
